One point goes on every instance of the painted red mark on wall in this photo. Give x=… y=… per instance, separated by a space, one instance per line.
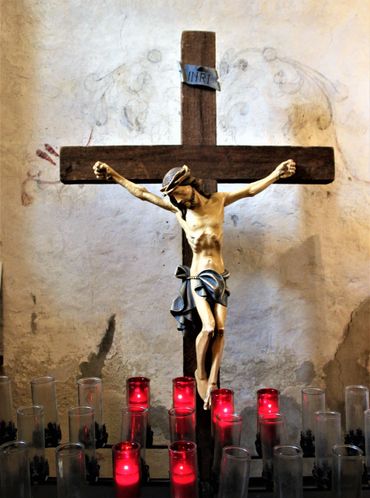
x=51 y=150
x=45 y=156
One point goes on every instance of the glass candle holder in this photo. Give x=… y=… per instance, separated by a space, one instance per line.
x=31 y=430
x=222 y=403
x=288 y=471
x=183 y=469
x=367 y=440
x=8 y=431
x=272 y=434
x=138 y=392
x=347 y=471
x=14 y=470
x=134 y=426
x=356 y=402
x=235 y=471
x=70 y=470
x=126 y=469
x=183 y=393
x=313 y=400
x=327 y=434
x=90 y=393
x=267 y=404
x=81 y=423
x=228 y=429
x=44 y=394
x=182 y=424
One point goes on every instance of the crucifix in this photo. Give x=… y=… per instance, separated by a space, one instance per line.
x=228 y=164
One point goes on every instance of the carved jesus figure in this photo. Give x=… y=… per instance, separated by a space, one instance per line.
x=204 y=290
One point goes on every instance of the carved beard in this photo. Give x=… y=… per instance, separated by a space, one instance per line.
x=190 y=204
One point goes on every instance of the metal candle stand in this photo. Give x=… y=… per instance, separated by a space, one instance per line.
x=8 y=432
x=53 y=435
x=101 y=435
x=39 y=470
x=307 y=443
x=357 y=438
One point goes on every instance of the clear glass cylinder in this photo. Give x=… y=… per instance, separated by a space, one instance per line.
x=367 y=439
x=327 y=434
x=14 y=470
x=70 y=470
x=183 y=392
x=134 y=425
x=126 y=469
x=313 y=400
x=288 y=471
x=228 y=429
x=183 y=469
x=44 y=394
x=81 y=425
x=138 y=391
x=235 y=471
x=90 y=393
x=182 y=424
x=272 y=434
x=31 y=430
x=347 y=471
x=356 y=402
x=7 y=426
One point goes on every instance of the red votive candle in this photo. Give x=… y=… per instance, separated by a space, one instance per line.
x=138 y=392
x=222 y=403
x=183 y=469
x=183 y=393
x=126 y=469
x=267 y=402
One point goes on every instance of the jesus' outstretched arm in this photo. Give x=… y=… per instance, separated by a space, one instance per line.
x=104 y=172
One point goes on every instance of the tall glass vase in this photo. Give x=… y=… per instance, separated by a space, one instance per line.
x=288 y=472
x=70 y=470
x=31 y=430
x=81 y=424
x=313 y=400
x=44 y=394
x=8 y=431
x=356 y=402
x=327 y=433
x=228 y=429
x=90 y=393
x=272 y=434
x=15 y=479
x=347 y=471
x=235 y=471
x=367 y=441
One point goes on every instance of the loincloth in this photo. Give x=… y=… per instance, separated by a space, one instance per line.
x=210 y=285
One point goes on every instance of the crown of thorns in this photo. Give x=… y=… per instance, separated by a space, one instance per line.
x=175 y=177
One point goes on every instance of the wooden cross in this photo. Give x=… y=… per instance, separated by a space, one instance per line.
x=228 y=164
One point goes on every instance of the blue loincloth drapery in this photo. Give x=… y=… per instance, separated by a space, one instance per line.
x=210 y=285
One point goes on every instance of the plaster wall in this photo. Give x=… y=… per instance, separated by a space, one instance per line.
x=88 y=271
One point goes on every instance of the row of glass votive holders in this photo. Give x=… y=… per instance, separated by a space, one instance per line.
x=15 y=478
x=43 y=394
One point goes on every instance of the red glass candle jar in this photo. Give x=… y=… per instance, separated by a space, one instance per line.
x=126 y=469
x=138 y=392
x=267 y=403
x=183 y=393
x=222 y=403
x=183 y=469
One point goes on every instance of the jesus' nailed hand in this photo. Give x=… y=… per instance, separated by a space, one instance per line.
x=201 y=216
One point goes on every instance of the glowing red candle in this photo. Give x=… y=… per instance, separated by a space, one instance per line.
x=126 y=469
x=267 y=402
x=183 y=469
x=183 y=392
x=138 y=392
x=222 y=403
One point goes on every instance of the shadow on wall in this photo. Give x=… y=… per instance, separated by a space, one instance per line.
x=350 y=364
